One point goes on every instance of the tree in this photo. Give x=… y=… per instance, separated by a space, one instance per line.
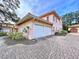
x=70 y=18
x=11 y=4
x=2 y=13
x=7 y=10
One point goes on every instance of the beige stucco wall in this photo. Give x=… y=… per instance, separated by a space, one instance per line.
x=22 y=26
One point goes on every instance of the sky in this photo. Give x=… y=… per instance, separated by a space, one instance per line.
x=39 y=7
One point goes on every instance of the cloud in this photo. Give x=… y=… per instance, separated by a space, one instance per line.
x=66 y=7
x=24 y=9
x=38 y=7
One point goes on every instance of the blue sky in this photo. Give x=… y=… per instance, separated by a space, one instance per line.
x=39 y=7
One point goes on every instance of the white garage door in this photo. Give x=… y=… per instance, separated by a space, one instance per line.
x=40 y=31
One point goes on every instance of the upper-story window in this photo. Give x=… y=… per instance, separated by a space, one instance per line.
x=56 y=20
x=47 y=18
x=53 y=18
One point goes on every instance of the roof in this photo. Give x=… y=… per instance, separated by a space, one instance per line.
x=75 y=25
x=25 y=18
x=49 y=13
x=29 y=17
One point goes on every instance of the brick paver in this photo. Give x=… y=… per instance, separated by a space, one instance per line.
x=55 y=47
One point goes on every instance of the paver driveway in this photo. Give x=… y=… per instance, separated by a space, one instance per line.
x=55 y=47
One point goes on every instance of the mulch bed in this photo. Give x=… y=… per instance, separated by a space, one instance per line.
x=13 y=42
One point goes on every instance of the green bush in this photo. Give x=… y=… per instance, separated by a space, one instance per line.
x=16 y=36
x=63 y=32
x=3 y=33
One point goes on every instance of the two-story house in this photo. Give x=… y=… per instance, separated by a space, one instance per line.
x=44 y=25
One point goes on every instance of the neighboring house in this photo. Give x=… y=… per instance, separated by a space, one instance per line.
x=6 y=26
x=74 y=28
x=44 y=25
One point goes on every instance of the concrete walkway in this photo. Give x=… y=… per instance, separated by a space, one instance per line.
x=2 y=40
x=55 y=47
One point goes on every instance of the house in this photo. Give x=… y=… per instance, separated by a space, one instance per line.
x=74 y=28
x=44 y=25
x=7 y=26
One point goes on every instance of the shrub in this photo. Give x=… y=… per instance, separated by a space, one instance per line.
x=3 y=33
x=63 y=32
x=16 y=36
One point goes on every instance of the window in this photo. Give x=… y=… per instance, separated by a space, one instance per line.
x=56 y=20
x=47 y=18
x=53 y=18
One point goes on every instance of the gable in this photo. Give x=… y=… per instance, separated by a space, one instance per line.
x=52 y=13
